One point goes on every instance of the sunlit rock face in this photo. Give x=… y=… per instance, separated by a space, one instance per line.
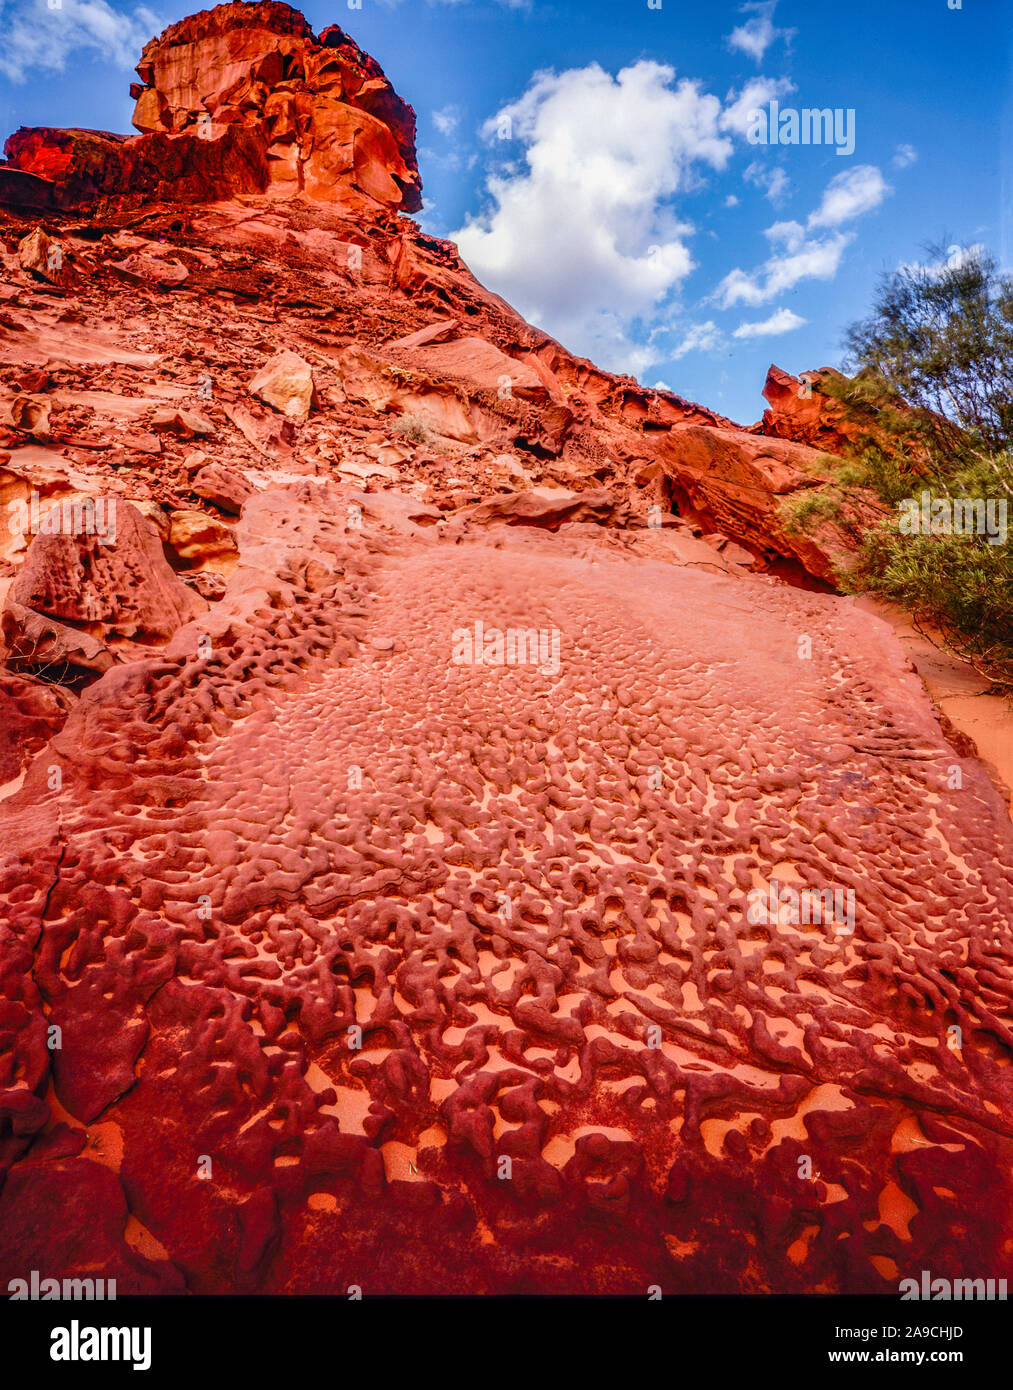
x=240 y=99
x=334 y=127
x=438 y=853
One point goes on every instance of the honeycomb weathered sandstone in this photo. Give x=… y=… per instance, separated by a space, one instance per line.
x=437 y=854
x=506 y=877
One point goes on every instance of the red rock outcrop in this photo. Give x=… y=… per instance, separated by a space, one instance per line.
x=68 y=169
x=399 y=885
x=239 y=99
x=31 y=712
x=802 y=409
x=93 y=578
x=332 y=123
x=737 y=482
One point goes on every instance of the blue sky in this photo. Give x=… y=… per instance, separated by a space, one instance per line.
x=593 y=161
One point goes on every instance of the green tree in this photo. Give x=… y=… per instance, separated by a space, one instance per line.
x=941 y=334
x=932 y=402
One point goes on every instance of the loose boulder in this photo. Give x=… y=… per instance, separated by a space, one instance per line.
x=286 y=383
x=110 y=583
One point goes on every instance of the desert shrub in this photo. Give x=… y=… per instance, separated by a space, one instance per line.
x=957 y=585
x=806 y=509
x=933 y=382
x=414 y=427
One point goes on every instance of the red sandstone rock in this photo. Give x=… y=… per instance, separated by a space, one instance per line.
x=199 y=538
x=60 y=170
x=286 y=383
x=31 y=712
x=466 y=390
x=302 y=810
x=111 y=581
x=146 y=270
x=332 y=125
x=548 y=510
x=738 y=482
x=187 y=424
x=803 y=411
x=222 y=487
x=518 y=1058
x=44 y=256
x=439 y=332
x=30 y=414
x=34 y=641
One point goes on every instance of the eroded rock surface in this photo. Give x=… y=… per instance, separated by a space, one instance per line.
x=398 y=876
x=31 y=712
x=506 y=876
x=241 y=98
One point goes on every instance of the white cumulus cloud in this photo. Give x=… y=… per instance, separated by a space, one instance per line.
x=955 y=259
x=774 y=181
x=805 y=260
x=781 y=321
x=756 y=95
x=581 y=237
x=798 y=255
x=446 y=121
x=757 y=34
x=850 y=194
x=701 y=337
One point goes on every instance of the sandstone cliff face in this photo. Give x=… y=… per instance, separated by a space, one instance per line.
x=316 y=879
x=333 y=125
x=238 y=99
